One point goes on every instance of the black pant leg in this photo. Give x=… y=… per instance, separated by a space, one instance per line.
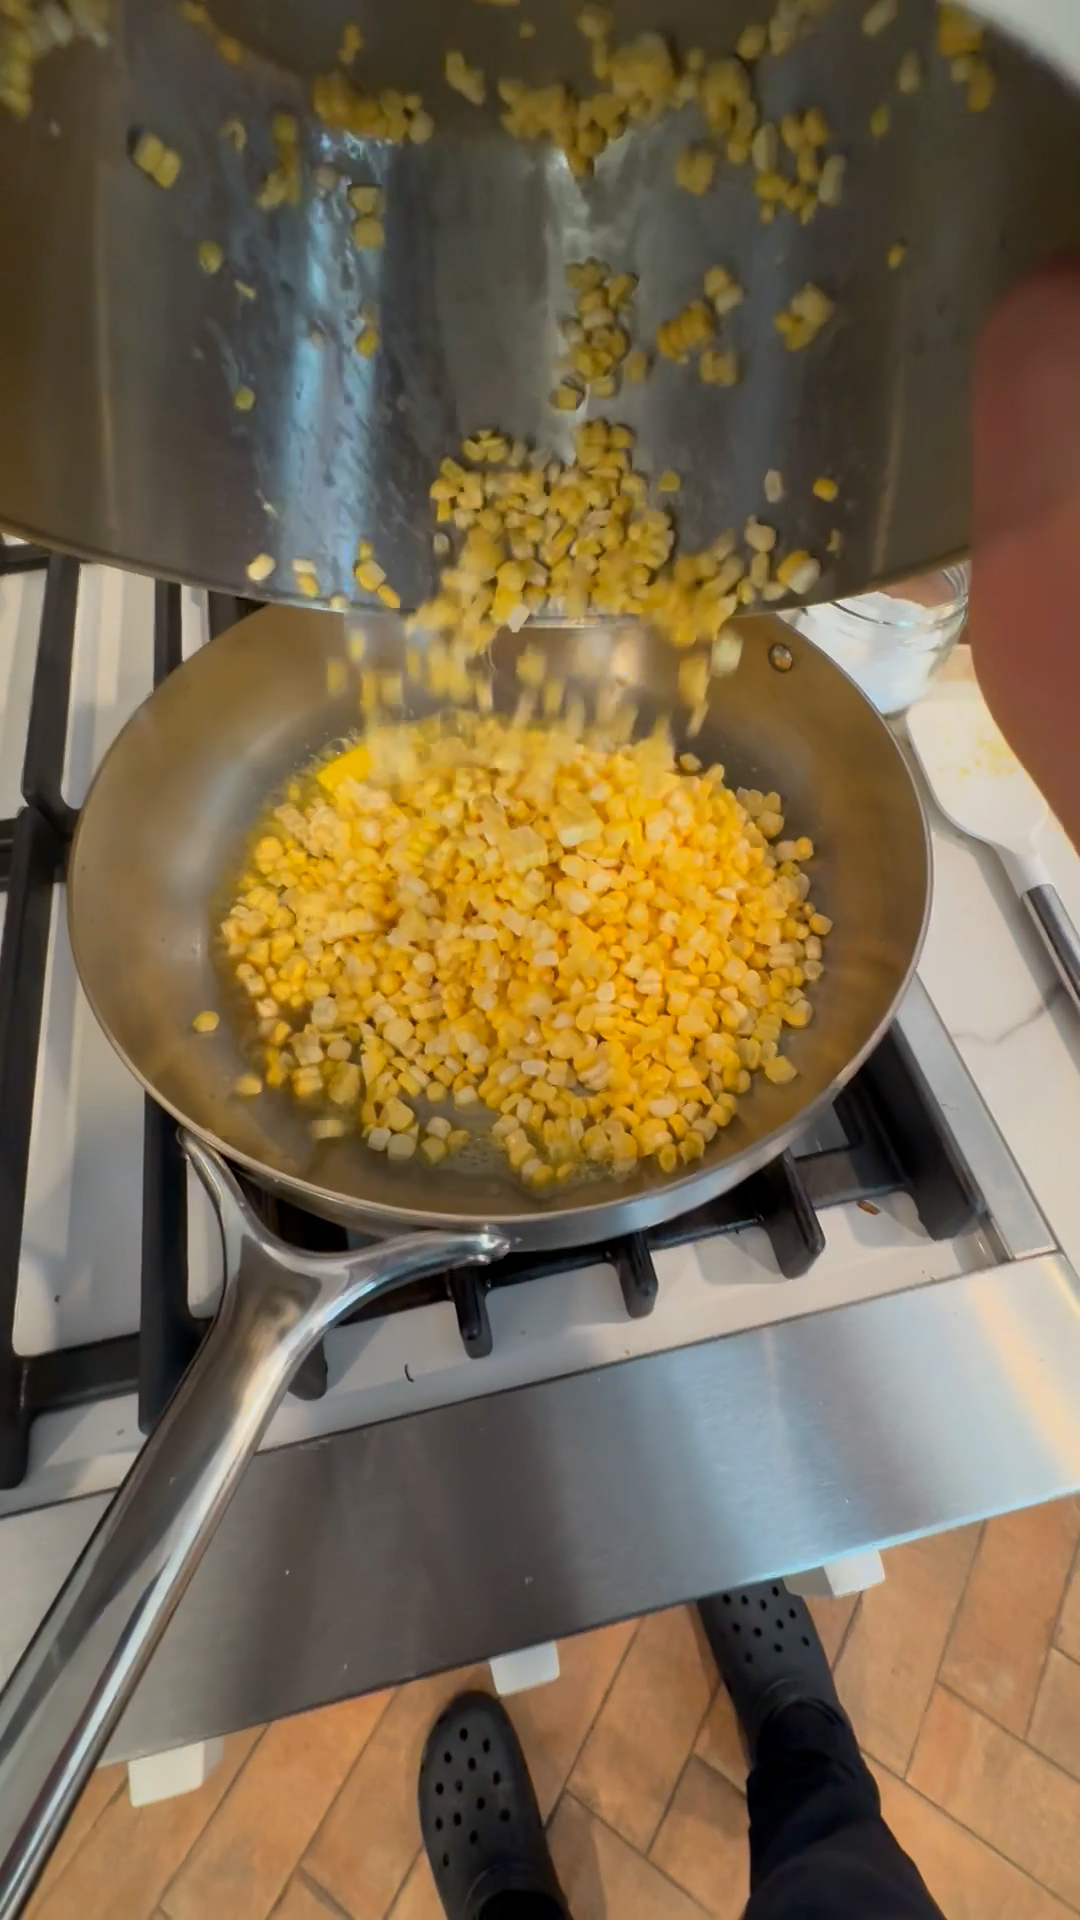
x=522 y=1906
x=819 y=1848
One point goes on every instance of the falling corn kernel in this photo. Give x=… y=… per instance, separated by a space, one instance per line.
x=388 y=597
x=830 y=186
x=774 y=486
x=825 y=489
x=366 y=199
x=352 y=43
x=804 y=318
x=896 y=255
x=234 y=132
x=261 y=567
x=669 y=482
x=466 y=80
x=159 y=162
x=958 y=32
x=248 y=1086
x=566 y=398
x=368 y=231
x=881 y=120
x=245 y=291
x=981 y=86
x=210 y=256
x=719 y=369
x=909 y=74
x=799 y=572
x=367 y=341
x=695 y=168
x=244 y=399
x=725 y=656
x=879 y=16
x=752 y=42
x=206 y=1022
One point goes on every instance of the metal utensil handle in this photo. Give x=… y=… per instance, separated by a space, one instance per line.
x=73 y=1682
x=1047 y=909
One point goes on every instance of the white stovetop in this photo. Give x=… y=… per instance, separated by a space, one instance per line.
x=983 y=967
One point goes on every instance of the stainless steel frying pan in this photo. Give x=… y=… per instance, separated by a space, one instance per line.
x=120 y=357
x=161 y=835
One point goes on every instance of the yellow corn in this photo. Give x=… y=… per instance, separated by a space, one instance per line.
x=599 y=944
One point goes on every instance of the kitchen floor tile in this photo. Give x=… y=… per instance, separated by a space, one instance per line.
x=1068 y=1633
x=605 y=1879
x=886 y=1671
x=967 y=1878
x=552 y=1721
x=1011 y=1797
x=365 y=1847
x=832 y=1618
x=418 y=1899
x=131 y=1853
x=247 y=1851
x=702 y=1842
x=1055 y=1723
x=998 y=1645
x=990 y=1818
x=104 y=1783
x=647 y=1726
x=718 y=1742
x=301 y=1901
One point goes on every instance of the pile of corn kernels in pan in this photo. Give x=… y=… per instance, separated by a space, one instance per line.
x=587 y=945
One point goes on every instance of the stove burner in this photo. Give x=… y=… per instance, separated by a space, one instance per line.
x=889 y=1134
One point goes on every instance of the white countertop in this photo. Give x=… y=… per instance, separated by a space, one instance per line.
x=991 y=981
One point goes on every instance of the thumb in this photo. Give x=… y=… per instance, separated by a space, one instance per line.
x=1027 y=405
x=1025 y=616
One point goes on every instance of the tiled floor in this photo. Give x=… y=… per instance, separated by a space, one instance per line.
x=962 y=1675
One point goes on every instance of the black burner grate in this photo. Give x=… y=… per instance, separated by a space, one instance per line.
x=894 y=1138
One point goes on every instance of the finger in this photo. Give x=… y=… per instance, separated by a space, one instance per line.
x=1024 y=625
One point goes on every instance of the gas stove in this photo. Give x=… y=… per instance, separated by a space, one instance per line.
x=902 y=1203
x=107 y=1278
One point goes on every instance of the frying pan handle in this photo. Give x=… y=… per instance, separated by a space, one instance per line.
x=74 y=1680
x=1045 y=905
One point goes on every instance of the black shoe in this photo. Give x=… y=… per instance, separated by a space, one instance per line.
x=482 y=1830
x=768 y=1652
